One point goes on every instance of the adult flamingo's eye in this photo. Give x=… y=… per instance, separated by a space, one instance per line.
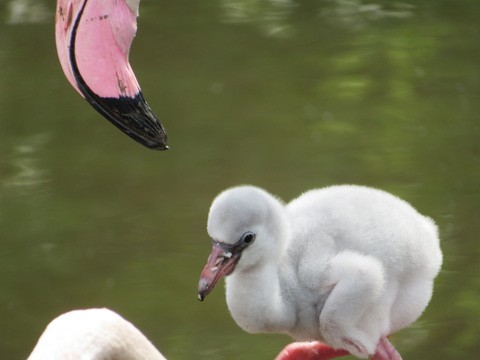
x=248 y=237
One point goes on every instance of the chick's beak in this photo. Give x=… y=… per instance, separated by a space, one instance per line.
x=221 y=262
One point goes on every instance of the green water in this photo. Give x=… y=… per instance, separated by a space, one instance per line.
x=287 y=95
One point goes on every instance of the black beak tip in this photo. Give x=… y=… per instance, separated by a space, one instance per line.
x=161 y=146
x=200 y=297
x=133 y=116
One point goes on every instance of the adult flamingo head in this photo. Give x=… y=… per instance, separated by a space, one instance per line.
x=93 y=40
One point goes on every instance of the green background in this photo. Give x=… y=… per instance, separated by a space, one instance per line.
x=288 y=95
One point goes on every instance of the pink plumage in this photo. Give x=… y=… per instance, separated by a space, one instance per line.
x=93 y=40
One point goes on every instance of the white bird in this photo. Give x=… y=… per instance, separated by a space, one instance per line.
x=347 y=265
x=93 y=334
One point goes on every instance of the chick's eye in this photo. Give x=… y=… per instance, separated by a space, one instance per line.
x=248 y=237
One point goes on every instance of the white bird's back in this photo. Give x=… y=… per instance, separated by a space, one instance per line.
x=93 y=334
x=368 y=221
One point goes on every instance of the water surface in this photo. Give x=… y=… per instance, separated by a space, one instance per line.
x=288 y=95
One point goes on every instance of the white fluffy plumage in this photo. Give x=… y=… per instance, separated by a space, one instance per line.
x=344 y=264
x=93 y=334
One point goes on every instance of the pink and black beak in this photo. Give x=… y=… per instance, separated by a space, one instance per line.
x=221 y=262
x=93 y=43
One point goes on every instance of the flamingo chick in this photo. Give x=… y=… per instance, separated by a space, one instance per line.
x=93 y=42
x=346 y=265
x=93 y=334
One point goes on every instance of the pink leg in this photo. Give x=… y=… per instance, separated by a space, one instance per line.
x=386 y=351
x=314 y=350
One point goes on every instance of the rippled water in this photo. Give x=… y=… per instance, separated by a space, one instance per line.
x=284 y=94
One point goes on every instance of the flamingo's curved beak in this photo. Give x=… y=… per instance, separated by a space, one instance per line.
x=221 y=262
x=93 y=43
